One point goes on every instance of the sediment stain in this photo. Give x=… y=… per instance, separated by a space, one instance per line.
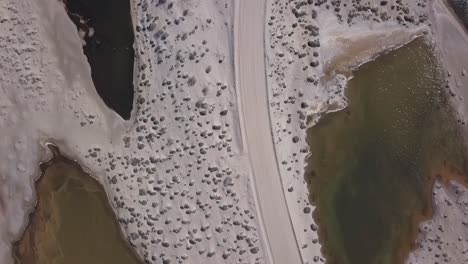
x=73 y=222
x=108 y=32
x=373 y=164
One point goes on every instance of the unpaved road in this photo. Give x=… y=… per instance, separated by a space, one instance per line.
x=257 y=136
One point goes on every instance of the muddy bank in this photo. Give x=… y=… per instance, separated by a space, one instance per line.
x=107 y=29
x=73 y=222
x=374 y=163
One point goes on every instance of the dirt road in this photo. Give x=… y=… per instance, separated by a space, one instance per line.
x=257 y=132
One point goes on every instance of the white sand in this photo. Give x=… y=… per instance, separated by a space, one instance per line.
x=176 y=173
x=258 y=140
x=210 y=167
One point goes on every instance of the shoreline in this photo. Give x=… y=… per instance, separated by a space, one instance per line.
x=66 y=99
x=59 y=158
x=417 y=218
x=447 y=31
x=446 y=181
x=298 y=90
x=451 y=39
x=48 y=105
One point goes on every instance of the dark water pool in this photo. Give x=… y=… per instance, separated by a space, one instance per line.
x=109 y=49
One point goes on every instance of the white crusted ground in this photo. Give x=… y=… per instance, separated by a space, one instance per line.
x=175 y=173
x=190 y=174
x=39 y=102
x=444 y=239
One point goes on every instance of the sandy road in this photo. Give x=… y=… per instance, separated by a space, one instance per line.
x=257 y=132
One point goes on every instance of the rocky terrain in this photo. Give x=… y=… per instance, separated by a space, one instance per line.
x=175 y=171
x=180 y=189
x=179 y=173
x=311 y=47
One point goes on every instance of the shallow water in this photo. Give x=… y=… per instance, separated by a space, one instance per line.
x=373 y=163
x=73 y=222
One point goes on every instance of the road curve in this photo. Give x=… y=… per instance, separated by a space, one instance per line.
x=257 y=132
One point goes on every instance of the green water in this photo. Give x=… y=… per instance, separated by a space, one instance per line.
x=73 y=222
x=373 y=163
